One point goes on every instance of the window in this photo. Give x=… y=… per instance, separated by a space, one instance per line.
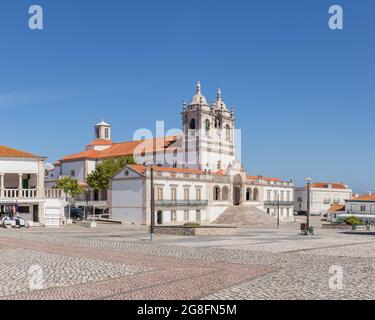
x=218 y=120
x=198 y=194
x=192 y=124
x=269 y=195
x=159 y=194
x=97 y=133
x=174 y=194
x=228 y=133
x=288 y=196
x=106 y=133
x=186 y=194
x=72 y=173
x=207 y=126
x=186 y=216
x=327 y=201
x=363 y=208
x=173 y=216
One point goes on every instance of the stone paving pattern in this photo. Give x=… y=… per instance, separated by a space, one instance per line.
x=121 y=263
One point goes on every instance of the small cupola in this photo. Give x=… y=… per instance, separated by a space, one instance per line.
x=103 y=131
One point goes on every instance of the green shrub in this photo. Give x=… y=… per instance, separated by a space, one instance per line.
x=192 y=225
x=354 y=221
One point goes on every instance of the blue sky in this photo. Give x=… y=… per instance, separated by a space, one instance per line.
x=304 y=94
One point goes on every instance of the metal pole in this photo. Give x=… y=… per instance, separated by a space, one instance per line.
x=152 y=206
x=278 y=210
x=308 y=207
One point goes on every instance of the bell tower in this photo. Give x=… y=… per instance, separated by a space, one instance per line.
x=209 y=133
x=103 y=131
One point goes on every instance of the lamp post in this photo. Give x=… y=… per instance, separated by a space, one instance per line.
x=278 y=210
x=308 y=180
x=152 y=205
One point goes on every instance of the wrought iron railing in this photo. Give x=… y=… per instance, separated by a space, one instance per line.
x=181 y=203
x=278 y=203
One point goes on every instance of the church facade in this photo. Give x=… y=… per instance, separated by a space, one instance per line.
x=200 y=177
x=197 y=173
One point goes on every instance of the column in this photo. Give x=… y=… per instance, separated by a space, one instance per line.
x=20 y=176
x=1 y=185
x=37 y=186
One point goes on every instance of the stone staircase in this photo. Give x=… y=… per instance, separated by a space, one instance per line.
x=245 y=216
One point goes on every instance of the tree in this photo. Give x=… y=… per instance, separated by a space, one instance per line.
x=99 y=178
x=70 y=187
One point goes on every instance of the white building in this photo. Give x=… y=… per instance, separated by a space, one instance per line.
x=203 y=178
x=22 y=189
x=322 y=197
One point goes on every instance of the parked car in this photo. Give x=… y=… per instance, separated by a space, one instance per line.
x=77 y=213
x=16 y=222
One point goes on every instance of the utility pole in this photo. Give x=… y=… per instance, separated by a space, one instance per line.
x=278 y=210
x=308 y=205
x=152 y=205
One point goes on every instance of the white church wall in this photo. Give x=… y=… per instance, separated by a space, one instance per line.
x=77 y=167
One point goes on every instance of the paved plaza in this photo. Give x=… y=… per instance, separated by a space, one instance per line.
x=119 y=262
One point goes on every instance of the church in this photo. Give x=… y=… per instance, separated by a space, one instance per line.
x=197 y=175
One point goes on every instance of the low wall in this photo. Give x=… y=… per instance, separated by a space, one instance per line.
x=337 y=226
x=196 y=231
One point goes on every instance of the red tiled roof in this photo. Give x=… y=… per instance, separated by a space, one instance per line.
x=100 y=143
x=124 y=149
x=325 y=185
x=337 y=208
x=264 y=178
x=13 y=153
x=364 y=198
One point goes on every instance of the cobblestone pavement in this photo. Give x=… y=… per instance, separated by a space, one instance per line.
x=121 y=263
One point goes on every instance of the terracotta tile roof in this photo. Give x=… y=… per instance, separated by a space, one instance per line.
x=124 y=149
x=264 y=178
x=337 y=208
x=364 y=198
x=89 y=154
x=325 y=185
x=13 y=153
x=100 y=143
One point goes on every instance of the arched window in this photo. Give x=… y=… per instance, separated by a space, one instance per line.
x=218 y=120
x=216 y=193
x=225 y=193
x=207 y=126
x=192 y=124
x=248 y=194
x=256 y=194
x=228 y=133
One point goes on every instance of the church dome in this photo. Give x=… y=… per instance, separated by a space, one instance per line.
x=199 y=98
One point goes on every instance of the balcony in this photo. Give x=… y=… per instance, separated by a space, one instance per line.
x=278 y=203
x=181 y=203
x=18 y=194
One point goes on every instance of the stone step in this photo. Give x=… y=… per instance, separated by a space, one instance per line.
x=245 y=216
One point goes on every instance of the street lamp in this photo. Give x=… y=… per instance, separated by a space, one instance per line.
x=152 y=205
x=278 y=210
x=308 y=180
